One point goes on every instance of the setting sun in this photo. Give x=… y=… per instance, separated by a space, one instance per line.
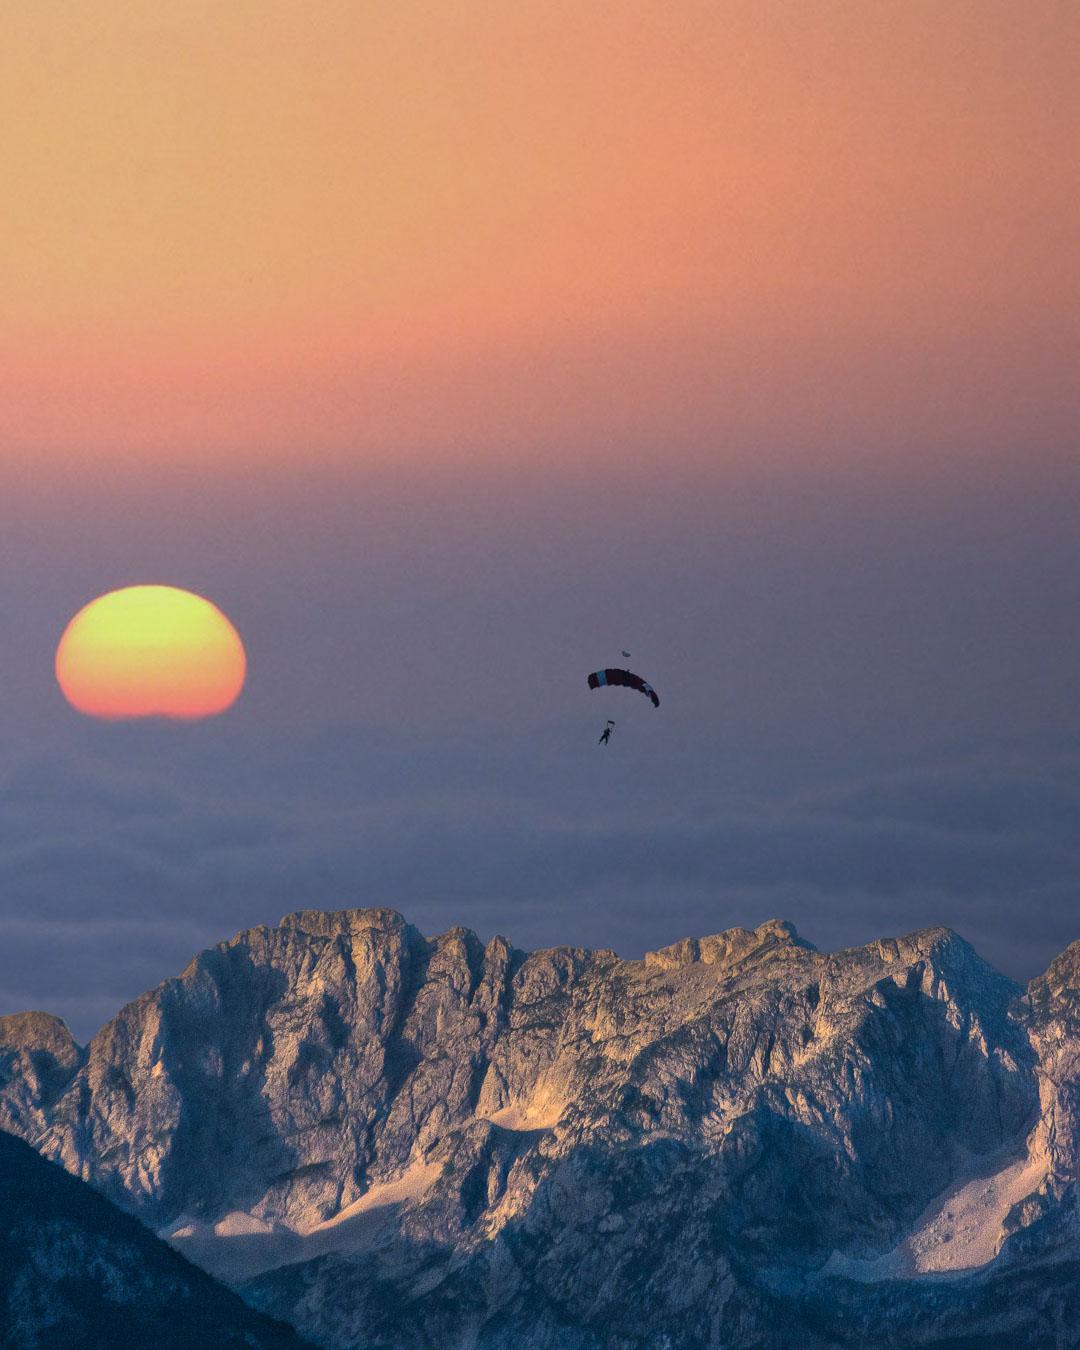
x=150 y=651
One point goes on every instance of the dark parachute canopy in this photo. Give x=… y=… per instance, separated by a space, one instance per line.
x=600 y=678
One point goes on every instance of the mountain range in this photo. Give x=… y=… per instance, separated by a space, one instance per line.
x=391 y=1141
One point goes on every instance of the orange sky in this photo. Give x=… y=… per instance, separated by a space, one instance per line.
x=488 y=228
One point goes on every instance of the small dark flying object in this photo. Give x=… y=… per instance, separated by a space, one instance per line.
x=600 y=678
x=627 y=655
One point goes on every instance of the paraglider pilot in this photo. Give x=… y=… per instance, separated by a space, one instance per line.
x=605 y=735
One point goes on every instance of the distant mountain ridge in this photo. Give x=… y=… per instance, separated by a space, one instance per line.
x=395 y=1141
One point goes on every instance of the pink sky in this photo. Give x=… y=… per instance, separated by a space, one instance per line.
x=695 y=233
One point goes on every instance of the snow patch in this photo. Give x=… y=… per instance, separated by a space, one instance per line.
x=968 y=1228
x=238 y=1223
x=412 y=1184
x=240 y=1246
x=961 y=1229
x=542 y=1111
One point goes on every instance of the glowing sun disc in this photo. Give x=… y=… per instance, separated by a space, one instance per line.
x=150 y=651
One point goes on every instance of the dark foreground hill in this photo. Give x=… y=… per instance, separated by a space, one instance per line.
x=76 y=1272
x=737 y=1142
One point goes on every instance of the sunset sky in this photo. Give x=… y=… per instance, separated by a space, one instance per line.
x=451 y=348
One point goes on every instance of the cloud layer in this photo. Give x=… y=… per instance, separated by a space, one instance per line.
x=113 y=874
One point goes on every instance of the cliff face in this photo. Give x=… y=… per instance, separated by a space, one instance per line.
x=392 y=1141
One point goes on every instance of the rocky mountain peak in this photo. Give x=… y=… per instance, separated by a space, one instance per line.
x=40 y=1033
x=38 y=1058
x=1060 y=983
x=331 y=922
x=728 y=947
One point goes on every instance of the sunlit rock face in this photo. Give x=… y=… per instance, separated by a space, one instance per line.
x=739 y=1141
x=38 y=1058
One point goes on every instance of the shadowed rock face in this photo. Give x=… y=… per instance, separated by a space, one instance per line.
x=392 y=1141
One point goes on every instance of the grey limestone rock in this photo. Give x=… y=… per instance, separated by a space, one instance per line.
x=390 y=1140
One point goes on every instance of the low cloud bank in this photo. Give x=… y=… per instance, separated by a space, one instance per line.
x=116 y=868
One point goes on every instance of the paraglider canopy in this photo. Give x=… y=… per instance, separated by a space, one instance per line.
x=612 y=675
